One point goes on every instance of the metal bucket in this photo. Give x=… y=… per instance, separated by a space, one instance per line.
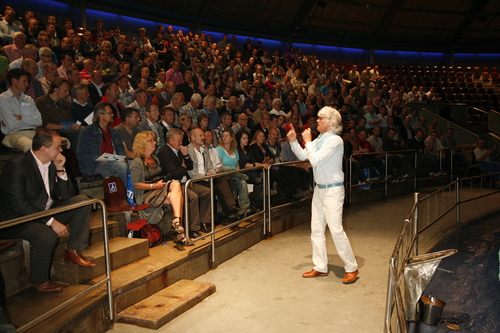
x=430 y=309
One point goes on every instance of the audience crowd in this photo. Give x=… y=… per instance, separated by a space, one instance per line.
x=99 y=88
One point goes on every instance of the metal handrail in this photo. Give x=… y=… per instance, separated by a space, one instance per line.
x=407 y=244
x=106 y=279
x=268 y=171
x=212 y=202
x=386 y=154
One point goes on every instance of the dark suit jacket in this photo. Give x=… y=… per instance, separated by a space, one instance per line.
x=257 y=153
x=94 y=95
x=257 y=127
x=171 y=163
x=22 y=191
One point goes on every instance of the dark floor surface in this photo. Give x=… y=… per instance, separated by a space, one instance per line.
x=468 y=281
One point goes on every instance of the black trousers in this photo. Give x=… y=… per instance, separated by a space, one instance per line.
x=43 y=239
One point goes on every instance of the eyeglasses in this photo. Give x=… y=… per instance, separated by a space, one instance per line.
x=107 y=113
x=46 y=55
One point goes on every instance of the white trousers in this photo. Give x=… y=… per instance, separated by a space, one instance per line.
x=327 y=205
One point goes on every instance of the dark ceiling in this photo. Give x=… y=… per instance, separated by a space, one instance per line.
x=422 y=25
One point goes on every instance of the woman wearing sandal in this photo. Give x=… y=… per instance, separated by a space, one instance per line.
x=147 y=180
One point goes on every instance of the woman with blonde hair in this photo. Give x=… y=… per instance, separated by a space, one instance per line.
x=152 y=186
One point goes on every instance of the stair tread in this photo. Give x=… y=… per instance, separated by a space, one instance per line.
x=115 y=244
x=163 y=306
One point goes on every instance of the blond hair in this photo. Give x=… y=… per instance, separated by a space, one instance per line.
x=140 y=142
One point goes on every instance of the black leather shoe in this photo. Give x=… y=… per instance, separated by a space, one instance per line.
x=205 y=228
x=194 y=234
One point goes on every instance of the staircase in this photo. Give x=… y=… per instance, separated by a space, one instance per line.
x=139 y=274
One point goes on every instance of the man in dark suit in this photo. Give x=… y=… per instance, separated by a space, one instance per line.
x=34 y=182
x=95 y=87
x=174 y=159
x=167 y=119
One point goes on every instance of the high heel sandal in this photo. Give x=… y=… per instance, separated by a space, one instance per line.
x=182 y=240
x=176 y=225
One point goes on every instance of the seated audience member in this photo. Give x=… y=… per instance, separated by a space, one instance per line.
x=493 y=165
x=263 y=155
x=364 y=160
x=174 y=159
x=401 y=161
x=88 y=69
x=210 y=144
x=99 y=138
x=147 y=176
x=49 y=75
x=263 y=125
x=229 y=158
x=124 y=92
x=226 y=123
x=367 y=147
x=187 y=88
x=81 y=107
x=108 y=68
x=448 y=142
x=110 y=91
x=66 y=63
x=203 y=166
x=203 y=121
x=298 y=172
x=18 y=112
x=167 y=116
x=185 y=123
x=406 y=133
x=23 y=191
x=73 y=76
x=353 y=165
x=56 y=112
x=242 y=124
x=430 y=163
x=95 y=87
x=165 y=94
x=209 y=104
x=141 y=100
x=481 y=154
x=294 y=121
x=434 y=151
x=13 y=51
x=35 y=89
x=128 y=129
x=191 y=108
x=246 y=159
x=152 y=123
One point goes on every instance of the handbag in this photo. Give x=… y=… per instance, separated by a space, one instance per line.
x=151 y=232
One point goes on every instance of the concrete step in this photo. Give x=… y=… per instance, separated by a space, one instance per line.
x=160 y=308
x=13 y=269
x=116 y=228
x=122 y=252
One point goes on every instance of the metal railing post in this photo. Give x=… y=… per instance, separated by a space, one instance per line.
x=457 y=199
x=267 y=192
x=212 y=209
x=390 y=295
x=415 y=224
